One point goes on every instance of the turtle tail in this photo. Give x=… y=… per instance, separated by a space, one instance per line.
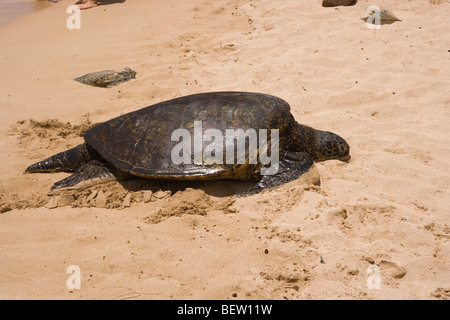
x=64 y=161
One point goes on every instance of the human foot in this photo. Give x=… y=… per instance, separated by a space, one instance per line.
x=86 y=4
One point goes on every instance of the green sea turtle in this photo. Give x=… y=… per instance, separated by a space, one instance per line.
x=143 y=143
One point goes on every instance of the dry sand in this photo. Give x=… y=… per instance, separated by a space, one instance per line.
x=386 y=91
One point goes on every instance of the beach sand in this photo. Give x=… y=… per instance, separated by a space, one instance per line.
x=385 y=91
x=12 y=9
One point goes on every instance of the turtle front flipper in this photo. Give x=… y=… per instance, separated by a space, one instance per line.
x=290 y=168
x=87 y=175
x=66 y=161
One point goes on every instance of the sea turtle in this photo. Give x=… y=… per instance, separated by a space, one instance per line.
x=145 y=143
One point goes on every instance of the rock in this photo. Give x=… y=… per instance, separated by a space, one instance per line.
x=384 y=13
x=107 y=78
x=52 y=204
x=127 y=201
x=5 y=208
x=65 y=199
x=147 y=196
x=161 y=194
x=335 y=3
x=101 y=200
x=89 y=201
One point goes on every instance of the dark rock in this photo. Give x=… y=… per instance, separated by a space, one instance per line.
x=335 y=3
x=107 y=78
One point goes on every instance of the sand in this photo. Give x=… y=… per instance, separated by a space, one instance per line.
x=385 y=91
x=11 y=9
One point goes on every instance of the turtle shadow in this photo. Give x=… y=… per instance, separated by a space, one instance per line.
x=214 y=188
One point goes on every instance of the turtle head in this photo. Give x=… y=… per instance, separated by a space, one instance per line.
x=331 y=146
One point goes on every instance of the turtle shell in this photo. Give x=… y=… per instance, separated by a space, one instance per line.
x=141 y=143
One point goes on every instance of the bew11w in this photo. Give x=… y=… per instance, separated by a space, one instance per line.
x=246 y=309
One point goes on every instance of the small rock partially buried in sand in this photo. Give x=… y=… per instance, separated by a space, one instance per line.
x=107 y=78
x=335 y=3
x=5 y=208
x=62 y=200
x=384 y=13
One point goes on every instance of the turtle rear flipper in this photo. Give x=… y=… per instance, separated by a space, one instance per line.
x=64 y=161
x=290 y=168
x=89 y=174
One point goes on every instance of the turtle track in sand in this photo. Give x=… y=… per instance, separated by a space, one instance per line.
x=39 y=138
